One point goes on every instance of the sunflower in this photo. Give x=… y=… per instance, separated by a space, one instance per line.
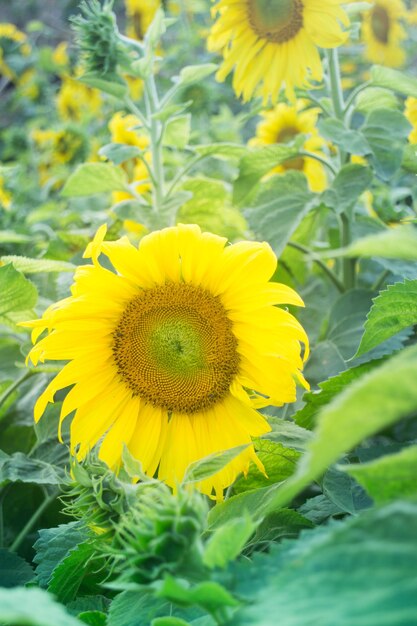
x=383 y=33
x=271 y=42
x=76 y=101
x=172 y=354
x=123 y=130
x=411 y=115
x=140 y=14
x=281 y=125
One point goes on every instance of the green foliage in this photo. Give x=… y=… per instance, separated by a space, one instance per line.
x=321 y=577
x=17 y=294
x=91 y=178
x=390 y=477
x=392 y=243
x=32 y=607
x=19 y=467
x=392 y=311
x=347 y=187
x=14 y=571
x=34 y=266
x=53 y=546
x=393 y=79
x=279 y=207
x=228 y=541
x=386 y=131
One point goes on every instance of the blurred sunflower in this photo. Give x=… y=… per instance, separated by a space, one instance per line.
x=280 y=126
x=172 y=354
x=411 y=115
x=274 y=43
x=139 y=14
x=123 y=130
x=383 y=33
x=76 y=101
x=5 y=196
x=12 y=40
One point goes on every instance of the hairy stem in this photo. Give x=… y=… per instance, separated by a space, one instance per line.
x=297 y=246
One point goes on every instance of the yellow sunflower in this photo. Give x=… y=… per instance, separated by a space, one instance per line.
x=281 y=125
x=123 y=129
x=274 y=42
x=76 y=101
x=411 y=115
x=383 y=33
x=172 y=354
x=140 y=14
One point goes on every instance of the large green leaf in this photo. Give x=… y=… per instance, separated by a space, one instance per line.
x=19 y=467
x=17 y=292
x=138 y=608
x=388 y=478
x=392 y=243
x=32 y=607
x=386 y=132
x=353 y=573
x=351 y=181
x=27 y=265
x=52 y=547
x=350 y=141
x=393 y=79
x=256 y=163
x=14 y=571
x=368 y=405
x=91 y=178
x=279 y=207
x=69 y=574
x=393 y=310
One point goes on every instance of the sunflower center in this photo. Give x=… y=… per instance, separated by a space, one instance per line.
x=276 y=20
x=174 y=347
x=380 y=23
x=287 y=134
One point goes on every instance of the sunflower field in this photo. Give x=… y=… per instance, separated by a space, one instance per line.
x=208 y=313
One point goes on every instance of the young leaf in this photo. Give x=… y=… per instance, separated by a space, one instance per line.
x=228 y=541
x=195 y=73
x=17 y=293
x=392 y=243
x=388 y=478
x=91 y=178
x=393 y=310
x=210 y=465
x=27 y=265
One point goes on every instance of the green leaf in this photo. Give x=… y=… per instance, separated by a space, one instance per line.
x=351 y=141
x=52 y=547
x=392 y=243
x=256 y=163
x=350 y=183
x=17 y=292
x=69 y=574
x=27 y=265
x=118 y=153
x=344 y=491
x=316 y=400
x=279 y=208
x=410 y=158
x=194 y=73
x=136 y=608
x=283 y=524
x=32 y=607
x=393 y=79
x=221 y=150
x=340 y=427
x=228 y=541
x=211 y=464
x=351 y=573
x=386 y=132
x=14 y=571
x=20 y=468
x=8 y=236
x=393 y=310
x=110 y=83
x=177 y=132
x=91 y=178
x=388 y=478
x=208 y=595
x=376 y=98
x=288 y=434
x=93 y=618
x=210 y=207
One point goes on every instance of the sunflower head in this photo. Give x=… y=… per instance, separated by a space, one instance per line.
x=383 y=33
x=172 y=351
x=274 y=43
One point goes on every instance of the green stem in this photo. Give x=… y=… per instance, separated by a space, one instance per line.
x=156 y=129
x=184 y=171
x=353 y=95
x=380 y=280
x=320 y=159
x=336 y=91
x=8 y=392
x=136 y=111
x=349 y=264
x=32 y=521
x=320 y=263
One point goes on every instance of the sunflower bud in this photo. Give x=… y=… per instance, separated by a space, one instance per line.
x=95 y=495
x=98 y=38
x=159 y=534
